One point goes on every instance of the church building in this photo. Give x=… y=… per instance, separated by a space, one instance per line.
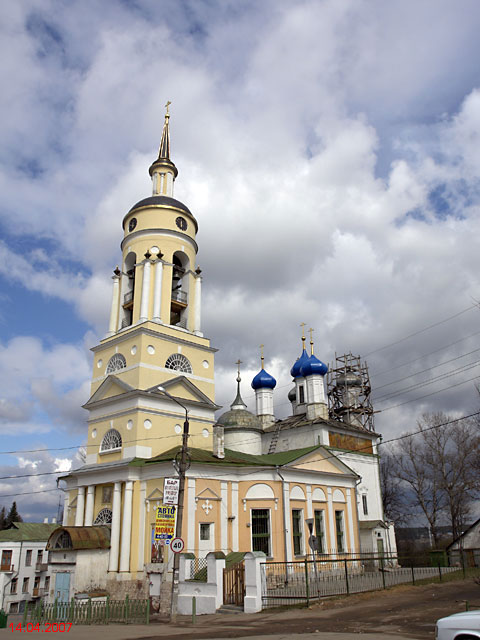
x=252 y=481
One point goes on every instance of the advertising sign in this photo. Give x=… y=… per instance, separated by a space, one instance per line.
x=165 y=523
x=171 y=487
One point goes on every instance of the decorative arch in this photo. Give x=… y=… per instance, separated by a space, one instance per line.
x=116 y=362
x=260 y=491
x=179 y=362
x=296 y=493
x=338 y=496
x=63 y=541
x=319 y=495
x=104 y=517
x=111 y=440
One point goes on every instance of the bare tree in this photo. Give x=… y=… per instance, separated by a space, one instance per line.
x=393 y=499
x=436 y=467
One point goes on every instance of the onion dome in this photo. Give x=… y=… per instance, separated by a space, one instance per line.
x=349 y=379
x=292 y=394
x=313 y=366
x=263 y=380
x=295 y=370
x=239 y=417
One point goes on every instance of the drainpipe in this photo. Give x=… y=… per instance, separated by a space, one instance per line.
x=285 y=514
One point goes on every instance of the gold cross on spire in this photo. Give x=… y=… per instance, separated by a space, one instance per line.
x=167 y=105
x=302 y=324
x=311 y=340
x=238 y=363
x=261 y=354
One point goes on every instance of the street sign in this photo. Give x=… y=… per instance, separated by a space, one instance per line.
x=171 y=487
x=177 y=545
x=165 y=523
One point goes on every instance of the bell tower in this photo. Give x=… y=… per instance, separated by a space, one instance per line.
x=154 y=336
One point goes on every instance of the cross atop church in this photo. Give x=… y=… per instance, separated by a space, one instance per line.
x=261 y=354
x=167 y=105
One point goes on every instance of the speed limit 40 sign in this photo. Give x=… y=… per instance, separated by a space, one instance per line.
x=177 y=545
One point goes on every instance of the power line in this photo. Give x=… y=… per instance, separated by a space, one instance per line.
x=416 y=333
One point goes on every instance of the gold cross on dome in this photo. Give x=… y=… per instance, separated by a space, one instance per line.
x=311 y=339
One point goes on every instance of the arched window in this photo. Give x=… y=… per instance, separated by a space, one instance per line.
x=115 y=363
x=179 y=362
x=104 y=517
x=63 y=541
x=111 y=440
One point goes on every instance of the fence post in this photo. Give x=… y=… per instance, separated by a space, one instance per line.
x=107 y=610
x=413 y=574
x=462 y=556
x=25 y=614
x=55 y=608
x=89 y=611
x=307 y=589
x=346 y=576
x=440 y=572
x=382 y=569
x=147 y=616
x=194 y=609
x=126 y=609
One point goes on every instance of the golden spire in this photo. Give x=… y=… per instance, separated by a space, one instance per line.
x=164 y=151
x=311 y=341
x=261 y=355
x=302 y=324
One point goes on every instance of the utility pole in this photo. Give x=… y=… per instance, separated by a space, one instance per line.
x=182 y=468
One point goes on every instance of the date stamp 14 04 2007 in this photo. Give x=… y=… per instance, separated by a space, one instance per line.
x=48 y=627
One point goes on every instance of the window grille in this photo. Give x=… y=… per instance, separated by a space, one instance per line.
x=261 y=530
x=319 y=530
x=115 y=363
x=104 y=517
x=297 y=531
x=111 y=440
x=64 y=541
x=179 y=362
x=339 y=530
x=204 y=531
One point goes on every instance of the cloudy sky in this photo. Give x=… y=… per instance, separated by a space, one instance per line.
x=330 y=152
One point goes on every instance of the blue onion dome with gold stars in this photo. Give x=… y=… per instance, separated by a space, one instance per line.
x=313 y=366
x=295 y=371
x=263 y=380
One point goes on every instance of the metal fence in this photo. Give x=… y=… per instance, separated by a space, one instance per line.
x=198 y=569
x=285 y=583
x=90 y=611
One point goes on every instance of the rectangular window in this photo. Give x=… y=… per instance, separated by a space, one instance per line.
x=297 y=522
x=106 y=495
x=36 y=582
x=365 y=505
x=301 y=394
x=6 y=560
x=39 y=556
x=28 y=558
x=320 y=530
x=261 y=530
x=13 y=607
x=25 y=585
x=339 y=530
x=13 y=585
x=204 y=531
x=47 y=584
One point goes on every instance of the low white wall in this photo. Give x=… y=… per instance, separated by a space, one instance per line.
x=208 y=595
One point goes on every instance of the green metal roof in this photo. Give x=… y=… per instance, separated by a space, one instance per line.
x=28 y=531
x=232 y=458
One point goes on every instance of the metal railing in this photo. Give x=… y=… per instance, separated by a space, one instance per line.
x=198 y=569
x=302 y=581
x=89 y=611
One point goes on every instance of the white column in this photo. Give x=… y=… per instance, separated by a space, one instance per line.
x=141 y=537
x=224 y=517
x=126 y=527
x=65 y=510
x=80 y=507
x=286 y=521
x=114 y=308
x=191 y=515
x=234 y=513
x=309 y=503
x=331 y=520
x=145 y=291
x=157 y=292
x=115 y=535
x=89 y=506
x=350 y=496
x=198 y=305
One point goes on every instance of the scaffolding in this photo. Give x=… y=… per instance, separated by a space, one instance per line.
x=348 y=389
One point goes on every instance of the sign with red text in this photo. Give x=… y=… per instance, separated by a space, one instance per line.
x=165 y=520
